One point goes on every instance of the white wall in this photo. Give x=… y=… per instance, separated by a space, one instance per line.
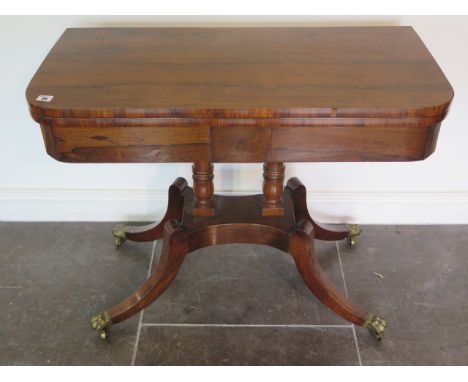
x=34 y=187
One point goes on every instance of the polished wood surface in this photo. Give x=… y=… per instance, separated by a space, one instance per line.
x=239 y=220
x=321 y=232
x=273 y=178
x=240 y=72
x=175 y=248
x=154 y=231
x=270 y=95
x=240 y=95
x=203 y=188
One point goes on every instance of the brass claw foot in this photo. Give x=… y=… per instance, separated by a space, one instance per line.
x=376 y=326
x=354 y=230
x=119 y=235
x=101 y=323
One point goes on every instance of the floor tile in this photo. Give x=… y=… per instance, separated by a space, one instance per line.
x=192 y=345
x=54 y=276
x=245 y=284
x=423 y=295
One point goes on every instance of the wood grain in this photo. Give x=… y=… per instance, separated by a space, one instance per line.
x=240 y=95
x=273 y=179
x=240 y=72
x=234 y=140
x=239 y=219
x=335 y=144
x=203 y=188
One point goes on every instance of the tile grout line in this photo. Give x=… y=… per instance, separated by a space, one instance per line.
x=346 y=294
x=341 y=269
x=357 y=345
x=141 y=324
x=246 y=325
x=137 y=339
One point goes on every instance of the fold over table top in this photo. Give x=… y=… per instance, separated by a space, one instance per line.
x=307 y=88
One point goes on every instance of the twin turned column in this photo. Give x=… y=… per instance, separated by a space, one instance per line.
x=273 y=179
x=203 y=188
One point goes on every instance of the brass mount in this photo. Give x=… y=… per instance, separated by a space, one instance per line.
x=376 y=326
x=354 y=231
x=119 y=235
x=101 y=323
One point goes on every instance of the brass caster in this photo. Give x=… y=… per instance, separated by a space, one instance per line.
x=101 y=323
x=354 y=231
x=104 y=333
x=119 y=235
x=376 y=326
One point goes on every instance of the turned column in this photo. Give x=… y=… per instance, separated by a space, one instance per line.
x=273 y=178
x=203 y=188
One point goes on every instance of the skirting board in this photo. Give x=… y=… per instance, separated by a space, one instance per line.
x=326 y=207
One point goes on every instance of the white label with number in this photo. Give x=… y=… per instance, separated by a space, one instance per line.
x=44 y=98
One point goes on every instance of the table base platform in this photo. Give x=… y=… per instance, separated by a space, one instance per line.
x=237 y=219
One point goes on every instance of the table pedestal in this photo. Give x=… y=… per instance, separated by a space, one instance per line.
x=278 y=218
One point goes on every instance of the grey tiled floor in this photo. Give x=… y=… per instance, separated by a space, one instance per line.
x=234 y=304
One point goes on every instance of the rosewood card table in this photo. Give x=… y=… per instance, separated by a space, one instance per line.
x=239 y=95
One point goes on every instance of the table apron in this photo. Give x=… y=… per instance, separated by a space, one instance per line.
x=240 y=140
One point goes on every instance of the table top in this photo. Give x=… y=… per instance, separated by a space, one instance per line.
x=240 y=72
x=239 y=95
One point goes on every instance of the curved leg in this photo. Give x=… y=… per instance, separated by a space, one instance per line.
x=321 y=232
x=175 y=248
x=154 y=231
x=301 y=247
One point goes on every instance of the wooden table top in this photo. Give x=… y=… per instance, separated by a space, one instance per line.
x=247 y=72
x=277 y=92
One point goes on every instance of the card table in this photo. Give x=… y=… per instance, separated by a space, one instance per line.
x=239 y=95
